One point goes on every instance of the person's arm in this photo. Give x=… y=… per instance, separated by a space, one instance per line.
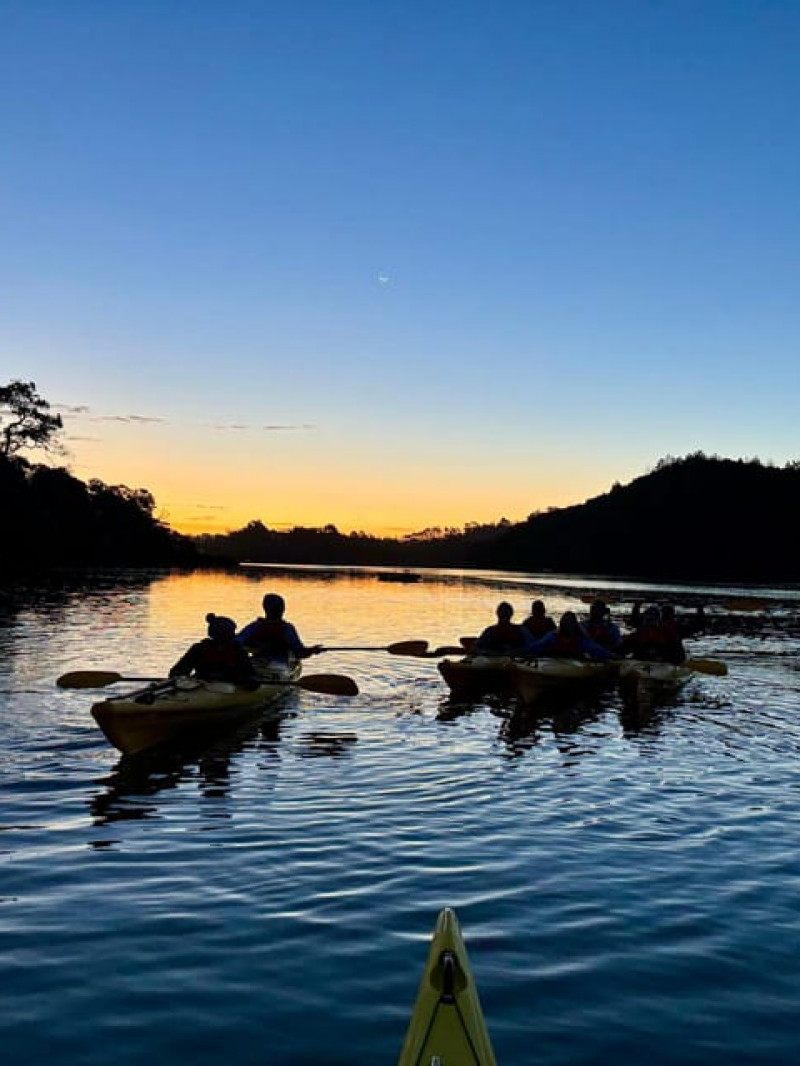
x=541 y=646
x=597 y=651
x=184 y=666
x=244 y=635
x=296 y=646
x=528 y=640
x=484 y=642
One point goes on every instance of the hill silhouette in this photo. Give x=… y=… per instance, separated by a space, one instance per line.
x=695 y=518
x=698 y=518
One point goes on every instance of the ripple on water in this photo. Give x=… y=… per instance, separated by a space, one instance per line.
x=627 y=882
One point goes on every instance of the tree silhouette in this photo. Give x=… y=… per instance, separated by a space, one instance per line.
x=25 y=419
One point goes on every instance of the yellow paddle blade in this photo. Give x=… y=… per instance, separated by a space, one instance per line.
x=746 y=603
x=707 y=666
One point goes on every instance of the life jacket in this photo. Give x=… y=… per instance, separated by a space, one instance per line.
x=600 y=634
x=566 y=646
x=268 y=638
x=218 y=661
x=656 y=644
x=538 y=626
x=504 y=636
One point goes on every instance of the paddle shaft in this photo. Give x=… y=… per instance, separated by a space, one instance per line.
x=329 y=684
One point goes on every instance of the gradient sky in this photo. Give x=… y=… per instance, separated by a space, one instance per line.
x=400 y=263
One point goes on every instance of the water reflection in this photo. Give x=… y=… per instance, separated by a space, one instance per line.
x=330 y=745
x=130 y=788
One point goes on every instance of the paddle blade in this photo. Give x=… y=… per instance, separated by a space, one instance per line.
x=746 y=603
x=409 y=647
x=329 y=684
x=88 y=679
x=707 y=666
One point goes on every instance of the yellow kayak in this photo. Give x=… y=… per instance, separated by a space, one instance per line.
x=167 y=710
x=447 y=1027
x=477 y=675
x=536 y=678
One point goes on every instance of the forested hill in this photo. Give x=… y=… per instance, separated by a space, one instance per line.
x=693 y=518
x=52 y=519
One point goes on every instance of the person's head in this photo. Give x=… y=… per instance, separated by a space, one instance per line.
x=598 y=611
x=220 y=627
x=568 y=623
x=504 y=612
x=651 y=616
x=537 y=609
x=274 y=605
x=667 y=613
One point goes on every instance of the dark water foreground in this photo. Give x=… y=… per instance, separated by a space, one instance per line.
x=629 y=885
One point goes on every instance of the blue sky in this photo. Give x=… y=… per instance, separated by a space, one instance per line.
x=393 y=265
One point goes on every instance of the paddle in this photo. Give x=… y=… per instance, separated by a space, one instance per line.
x=328 y=684
x=746 y=603
x=404 y=647
x=707 y=666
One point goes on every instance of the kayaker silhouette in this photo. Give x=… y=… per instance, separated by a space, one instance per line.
x=504 y=637
x=272 y=638
x=539 y=621
x=218 y=657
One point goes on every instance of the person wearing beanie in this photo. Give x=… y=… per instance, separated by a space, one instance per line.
x=272 y=638
x=219 y=657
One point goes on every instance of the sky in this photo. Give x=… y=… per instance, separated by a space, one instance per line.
x=397 y=264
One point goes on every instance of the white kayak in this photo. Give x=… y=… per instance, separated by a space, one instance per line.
x=537 y=678
x=177 y=708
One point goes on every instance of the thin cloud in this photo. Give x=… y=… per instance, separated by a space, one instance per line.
x=80 y=409
x=302 y=425
x=239 y=426
x=138 y=419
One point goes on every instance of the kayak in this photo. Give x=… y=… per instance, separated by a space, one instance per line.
x=640 y=678
x=447 y=1026
x=539 y=678
x=176 y=708
x=477 y=675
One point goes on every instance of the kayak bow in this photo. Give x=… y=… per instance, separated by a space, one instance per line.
x=447 y=1026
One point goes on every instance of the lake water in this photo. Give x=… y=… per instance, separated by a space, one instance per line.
x=629 y=887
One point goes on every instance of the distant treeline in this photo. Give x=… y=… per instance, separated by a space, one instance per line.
x=50 y=518
x=695 y=518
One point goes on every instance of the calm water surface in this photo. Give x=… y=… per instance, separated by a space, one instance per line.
x=629 y=886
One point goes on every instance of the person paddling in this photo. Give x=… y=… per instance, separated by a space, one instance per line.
x=570 y=642
x=599 y=626
x=272 y=638
x=218 y=657
x=653 y=641
x=539 y=622
x=504 y=637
